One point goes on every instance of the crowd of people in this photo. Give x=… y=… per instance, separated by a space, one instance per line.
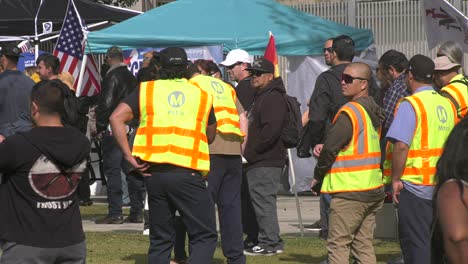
x=187 y=141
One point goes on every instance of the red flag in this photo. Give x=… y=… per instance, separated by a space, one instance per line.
x=271 y=55
x=70 y=51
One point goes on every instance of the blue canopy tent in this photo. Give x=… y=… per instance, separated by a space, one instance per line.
x=234 y=23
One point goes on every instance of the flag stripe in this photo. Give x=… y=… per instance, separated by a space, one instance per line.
x=70 y=51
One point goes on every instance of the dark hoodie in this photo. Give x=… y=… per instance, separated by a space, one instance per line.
x=339 y=135
x=37 y=201
x=266 y=119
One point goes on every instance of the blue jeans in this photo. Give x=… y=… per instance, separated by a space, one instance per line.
x=113 y=164
x=187 y=193
x=325 y=200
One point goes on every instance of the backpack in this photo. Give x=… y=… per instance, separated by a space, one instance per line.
x=291 y=133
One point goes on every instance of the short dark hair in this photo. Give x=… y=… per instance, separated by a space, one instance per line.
x=394 y=59
x=192 y=69
x=13 y=59
x=343 y=46
x=49 y=96
x=50 y=61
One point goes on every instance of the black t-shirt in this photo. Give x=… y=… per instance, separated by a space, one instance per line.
x=245 y=93
x=133 y=101
x=38 y=202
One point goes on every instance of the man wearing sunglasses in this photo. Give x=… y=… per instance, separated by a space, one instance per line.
x=325 y=101
x=266 y=155
x=236 y=63
x=349 y=167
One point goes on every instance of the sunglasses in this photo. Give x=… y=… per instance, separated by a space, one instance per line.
x=349 y=79
x=256 y=73
x=234 y=65
x=329 y=49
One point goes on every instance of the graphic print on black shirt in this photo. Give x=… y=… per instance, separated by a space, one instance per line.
x=42 y=168
x=49 y=182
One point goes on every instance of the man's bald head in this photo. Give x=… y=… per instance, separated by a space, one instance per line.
x=362 y=69
x=355 y=80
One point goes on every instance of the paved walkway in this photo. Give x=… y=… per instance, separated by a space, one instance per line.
x=287 y=215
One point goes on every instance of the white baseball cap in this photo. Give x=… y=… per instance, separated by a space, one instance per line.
x=236 y=55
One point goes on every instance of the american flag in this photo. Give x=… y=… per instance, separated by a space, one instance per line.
x=26 y=46
x=70 y=48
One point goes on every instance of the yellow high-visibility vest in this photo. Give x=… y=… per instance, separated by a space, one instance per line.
x=357 y=166
x=173 y=120
x=224 y=96
x=459 y=92
x=435 y=119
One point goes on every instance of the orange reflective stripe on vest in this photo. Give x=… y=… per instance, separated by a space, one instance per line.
x=357 y=166
x=173 y=117
x=224 y=97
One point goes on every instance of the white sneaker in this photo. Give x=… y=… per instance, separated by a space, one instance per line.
x=146 y=232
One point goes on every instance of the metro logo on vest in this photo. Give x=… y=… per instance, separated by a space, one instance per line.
x=217 y=87
x=176 y=99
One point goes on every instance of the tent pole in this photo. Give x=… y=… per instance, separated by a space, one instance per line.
x=298 y=206
x=36 y=39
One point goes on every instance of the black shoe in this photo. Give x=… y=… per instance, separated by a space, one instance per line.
x=258 y=251
x=88 y=202
x=110 y=220
x=315 y=226
x=134 y=219
x=323 y=234
x=249 y=244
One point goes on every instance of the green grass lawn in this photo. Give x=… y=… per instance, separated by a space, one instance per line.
x=131 y=248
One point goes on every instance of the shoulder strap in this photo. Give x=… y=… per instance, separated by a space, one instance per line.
x=464 y=81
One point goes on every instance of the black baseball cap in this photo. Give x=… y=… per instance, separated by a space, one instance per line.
x=421 y=67
x=173 y=56
x=262 y=65
x=10 y=49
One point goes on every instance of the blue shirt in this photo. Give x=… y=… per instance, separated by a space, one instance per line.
x=15 y=90
x=402 y=129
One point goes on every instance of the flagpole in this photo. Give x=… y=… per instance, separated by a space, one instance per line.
x=79 y=87
x=36 y=39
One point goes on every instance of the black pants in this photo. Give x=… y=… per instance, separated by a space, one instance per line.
x=415 y=216
x=188 y=194
x=224 y=184
x=83 y=191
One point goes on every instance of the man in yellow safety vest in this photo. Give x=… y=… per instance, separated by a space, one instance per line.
x=349 y=166
x=177 y=123
x=453 y=85
x=422 y=123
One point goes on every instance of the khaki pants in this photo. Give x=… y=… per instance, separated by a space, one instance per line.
x=351 y=228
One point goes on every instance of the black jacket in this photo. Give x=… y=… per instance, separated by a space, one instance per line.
x=266 y=119
x=117 y=84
